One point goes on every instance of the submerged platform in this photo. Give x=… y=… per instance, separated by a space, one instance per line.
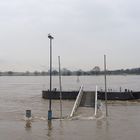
x=66 y=95
x=71 y=95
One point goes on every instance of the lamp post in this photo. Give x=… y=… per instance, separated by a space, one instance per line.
x=50 y=102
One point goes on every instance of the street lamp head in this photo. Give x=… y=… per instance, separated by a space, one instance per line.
x=49 y=36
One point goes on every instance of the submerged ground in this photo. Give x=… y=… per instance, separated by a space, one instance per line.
x=20 y=93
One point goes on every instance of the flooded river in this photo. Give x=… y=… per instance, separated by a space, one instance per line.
x=19 y=93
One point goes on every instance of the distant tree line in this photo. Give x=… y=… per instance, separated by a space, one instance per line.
x=66 y=72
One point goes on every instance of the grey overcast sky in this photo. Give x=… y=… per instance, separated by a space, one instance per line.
x=83 y=30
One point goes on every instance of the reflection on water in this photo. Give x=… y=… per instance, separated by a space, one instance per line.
x=28 y=124
x=61 y=128
x=49 y=128
x=19 y=93
x=99 y=124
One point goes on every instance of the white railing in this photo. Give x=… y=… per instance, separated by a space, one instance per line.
x=77 y=102
x=96 y=101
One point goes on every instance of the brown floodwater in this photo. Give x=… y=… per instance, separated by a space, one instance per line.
x=17 y=94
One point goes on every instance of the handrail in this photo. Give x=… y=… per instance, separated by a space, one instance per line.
x=77 y=102
x=96 y=96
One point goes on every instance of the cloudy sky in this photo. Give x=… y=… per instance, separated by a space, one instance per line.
x=83 y=30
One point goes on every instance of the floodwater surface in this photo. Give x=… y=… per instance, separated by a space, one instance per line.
x=19 y=93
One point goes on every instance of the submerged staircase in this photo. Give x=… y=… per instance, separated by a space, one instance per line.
x=88 y=99
x=84 y=104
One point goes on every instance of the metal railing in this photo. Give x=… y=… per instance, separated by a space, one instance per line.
x=96 y=101
x=77 y=102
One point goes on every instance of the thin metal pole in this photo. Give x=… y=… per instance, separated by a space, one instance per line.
x=95 y=102
x=50 y=101
x=105 y=85
x=60 y=87
x=50 y=71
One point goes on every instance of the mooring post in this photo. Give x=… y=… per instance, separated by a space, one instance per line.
x=28 y=118
x=50 y=102
x=28 y=114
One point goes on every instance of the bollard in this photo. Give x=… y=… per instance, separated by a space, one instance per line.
x=28 y=118
x=28 y=113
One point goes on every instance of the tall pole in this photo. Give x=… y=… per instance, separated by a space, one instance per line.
x=60 y=87
x=50 y=101
x=105 y=85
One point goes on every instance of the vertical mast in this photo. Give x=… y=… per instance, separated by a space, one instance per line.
x=105 y=85
x=60 y=87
